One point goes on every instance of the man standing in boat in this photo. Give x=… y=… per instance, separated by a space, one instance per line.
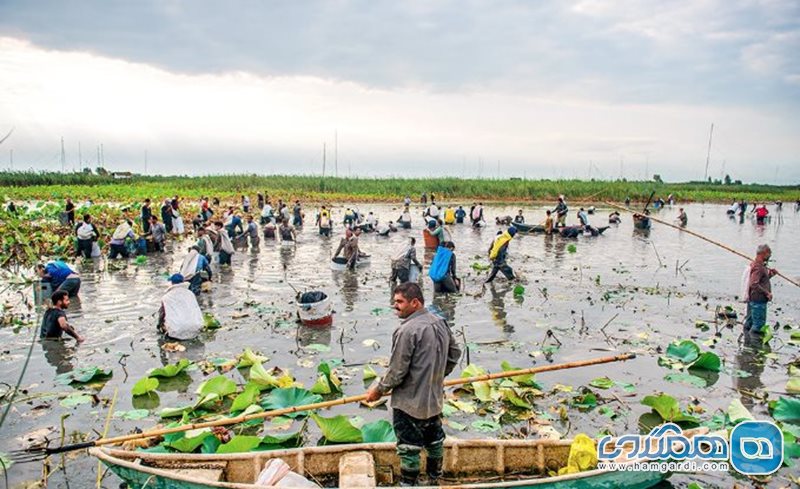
x=424 y=352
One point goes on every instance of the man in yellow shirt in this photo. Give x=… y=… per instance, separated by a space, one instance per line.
x=450 y=215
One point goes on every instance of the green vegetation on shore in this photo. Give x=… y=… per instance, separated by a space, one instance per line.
x=29 y=185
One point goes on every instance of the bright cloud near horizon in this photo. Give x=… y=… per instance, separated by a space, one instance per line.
x=551 y=89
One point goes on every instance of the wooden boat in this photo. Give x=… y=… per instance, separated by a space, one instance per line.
x=469 y=464
x=641 y=221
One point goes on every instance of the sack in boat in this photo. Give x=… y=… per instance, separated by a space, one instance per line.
x=582 y=455
x=277 y=473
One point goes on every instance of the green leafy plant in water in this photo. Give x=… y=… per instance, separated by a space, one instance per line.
x=337 y=429
x=290 y=397
x=249 y=358
x=83 y=375
x=686 y=354
x=246 y=398
x=220 y=386
x=240 y=443
x=210 y=322
x=667 y=407
x=380 y=431
x=571 y=248
x=144 y=386
x=327 y=382
x=170 y=370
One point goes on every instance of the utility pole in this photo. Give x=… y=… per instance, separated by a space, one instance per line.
x=708 y=155
x=323 y=160
x=11 y=158
x=98 y=156
x=145 y=162
x=336 y=153
x=102 y=156
x=63 y=156
x=80 y=158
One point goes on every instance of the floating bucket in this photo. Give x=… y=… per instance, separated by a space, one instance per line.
x=314 y=309
x=340 y=263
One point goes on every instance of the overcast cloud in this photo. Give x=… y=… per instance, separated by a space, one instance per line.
x=536 y=89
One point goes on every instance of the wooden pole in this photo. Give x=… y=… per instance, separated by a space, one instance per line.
x=698 y=235
x=344 y=400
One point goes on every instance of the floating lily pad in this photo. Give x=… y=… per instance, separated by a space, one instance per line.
x=685 y=378
x=73 y=400
x=132 y=415
x=83 y=375
x=486 y=426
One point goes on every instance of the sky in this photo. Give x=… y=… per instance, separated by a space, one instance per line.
x=535 y=89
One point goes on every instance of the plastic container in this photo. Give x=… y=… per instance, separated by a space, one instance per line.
x=315 y=309
x=42 y=292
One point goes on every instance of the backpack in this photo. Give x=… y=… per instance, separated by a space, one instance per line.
x=440 y=265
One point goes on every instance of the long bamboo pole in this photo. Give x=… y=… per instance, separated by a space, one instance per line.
x=704 y=238
x=335 y=402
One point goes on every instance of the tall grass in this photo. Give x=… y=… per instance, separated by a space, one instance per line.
x=28 y=185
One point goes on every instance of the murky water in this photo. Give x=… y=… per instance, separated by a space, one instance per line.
x=622 y=277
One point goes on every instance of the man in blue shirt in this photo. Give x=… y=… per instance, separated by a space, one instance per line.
x=60 y=276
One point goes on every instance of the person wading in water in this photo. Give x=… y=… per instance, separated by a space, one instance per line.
x=424 y=352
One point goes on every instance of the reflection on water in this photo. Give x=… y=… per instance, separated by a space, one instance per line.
x=614 y=274
x=497 y=304
x=59 y=354
x=750 y=358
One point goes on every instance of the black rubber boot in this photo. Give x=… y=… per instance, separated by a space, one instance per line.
x=408 y=478
x=434 y=470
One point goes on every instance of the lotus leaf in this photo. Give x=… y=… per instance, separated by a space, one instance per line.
x=378 y=432
x=290 y=397
x=83 y=375
x=248 y=397
x=219 y=385
x=337 y=429
x=144 y=385
x=240 y=443
x=170 y=370
x=249 y=358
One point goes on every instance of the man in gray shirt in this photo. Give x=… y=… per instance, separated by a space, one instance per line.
x=424 y=352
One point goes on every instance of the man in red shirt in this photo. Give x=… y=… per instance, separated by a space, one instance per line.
x=761 y=214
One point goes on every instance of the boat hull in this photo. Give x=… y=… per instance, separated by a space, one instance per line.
x=465 y=461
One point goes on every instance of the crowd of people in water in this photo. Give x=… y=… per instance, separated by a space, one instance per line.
x=219 y=231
